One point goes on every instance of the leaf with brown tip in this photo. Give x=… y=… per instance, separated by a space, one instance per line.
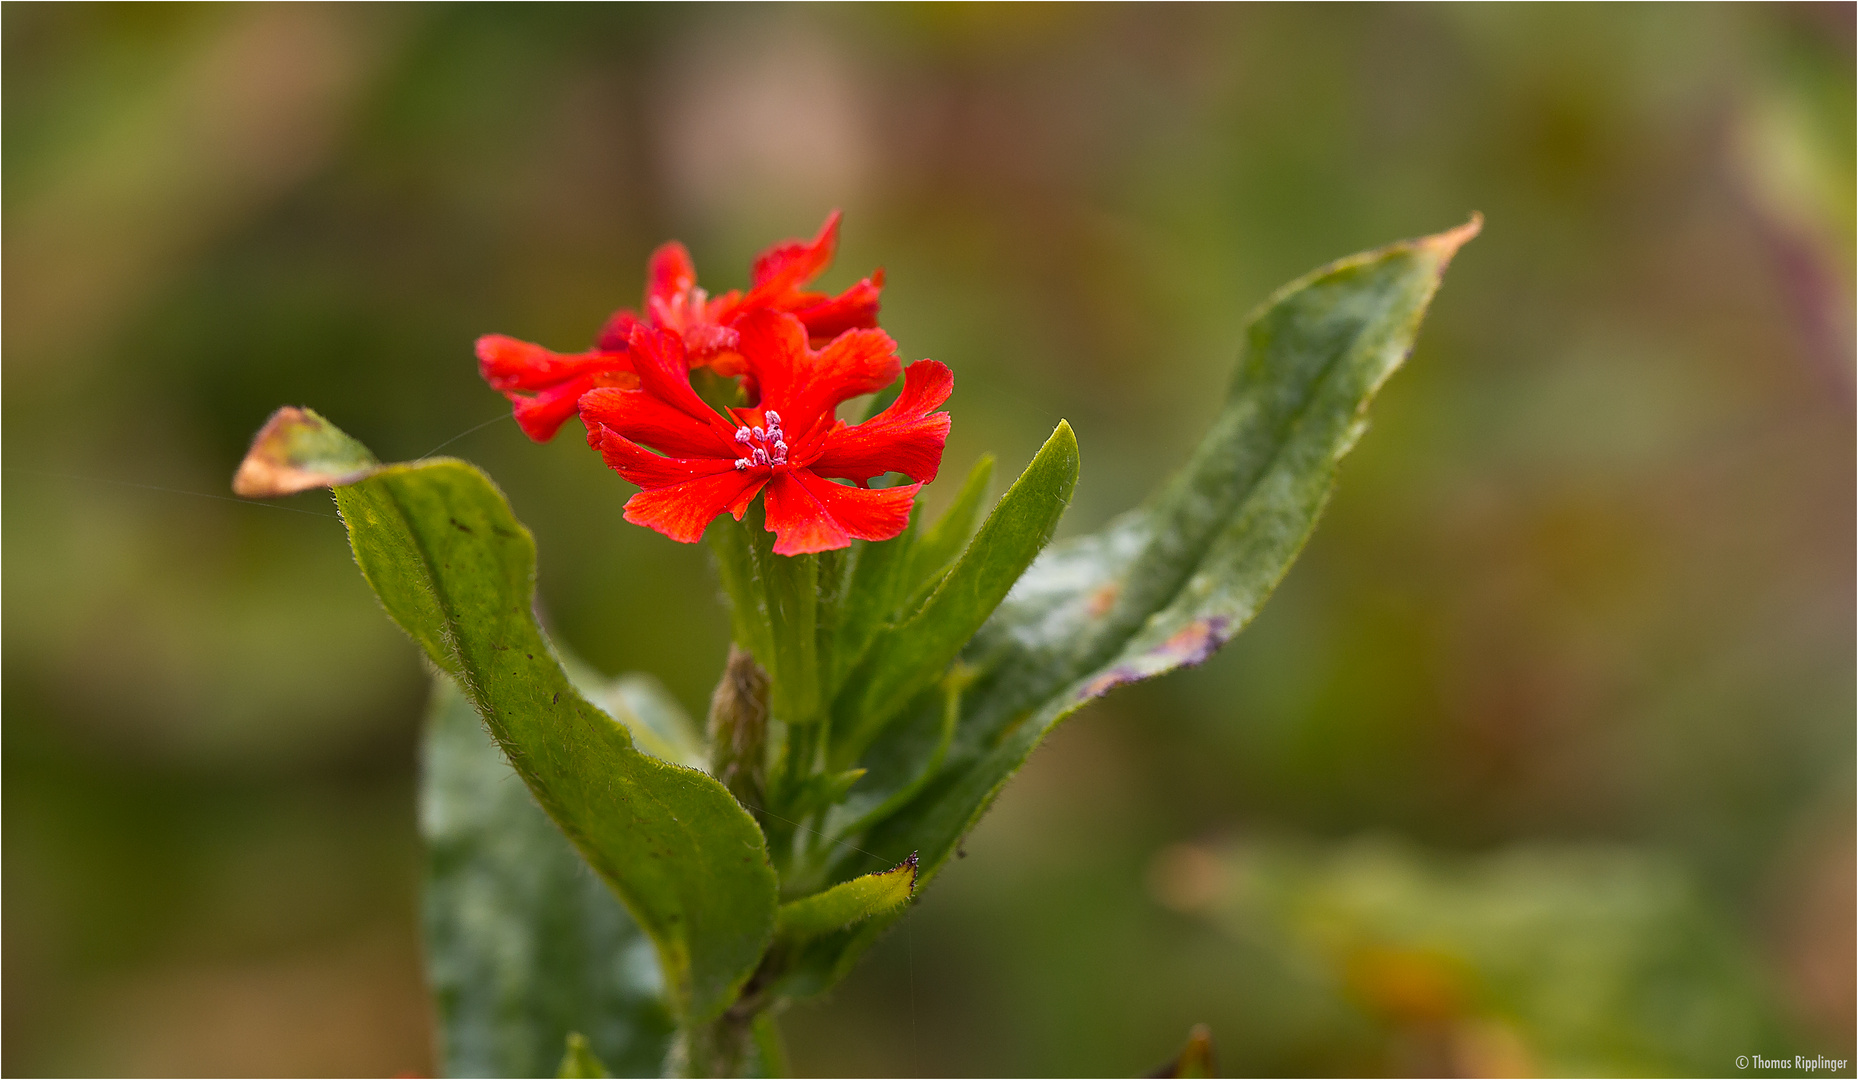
x=298 y=450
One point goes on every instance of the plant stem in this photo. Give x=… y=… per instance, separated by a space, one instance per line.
x=740 y=1042
x=719 y=1048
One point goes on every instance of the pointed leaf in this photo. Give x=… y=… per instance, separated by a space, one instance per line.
x=904 y=660
x=524 y=943
x=847 y=903
x=1168 y=584
x=882 y=581
x=944 y=540
x=298 y=450
x=454 y=568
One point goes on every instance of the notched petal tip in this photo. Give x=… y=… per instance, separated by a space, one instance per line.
x=298 y=450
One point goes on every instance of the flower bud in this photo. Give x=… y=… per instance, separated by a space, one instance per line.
x=739 y=727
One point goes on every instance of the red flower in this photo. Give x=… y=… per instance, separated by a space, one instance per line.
x=791 y=444
x=545 y=387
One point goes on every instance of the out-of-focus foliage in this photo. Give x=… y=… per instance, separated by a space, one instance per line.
x=1536 y=961
x=1588 y=578
x=526 y=947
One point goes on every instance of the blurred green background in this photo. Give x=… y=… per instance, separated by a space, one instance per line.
x=1541 y=760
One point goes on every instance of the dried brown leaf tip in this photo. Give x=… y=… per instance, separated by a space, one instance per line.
x=298 y=450
x=1448 y=242
x=1196 y=1058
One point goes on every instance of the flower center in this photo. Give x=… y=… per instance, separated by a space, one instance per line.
x=765 y=447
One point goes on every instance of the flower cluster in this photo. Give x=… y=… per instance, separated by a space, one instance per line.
x=799 y=354
x=545 y=387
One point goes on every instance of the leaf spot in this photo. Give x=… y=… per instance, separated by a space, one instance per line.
x=1188 y=646
x=1109 y=680
x=1196 y=641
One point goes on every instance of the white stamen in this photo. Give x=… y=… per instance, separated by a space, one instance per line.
x=764 y=447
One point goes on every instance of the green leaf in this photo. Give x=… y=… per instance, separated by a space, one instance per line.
x=454 y=568
x=654 y=717
x=524 y=944
x=847 y=903
x=1168 y=584
x=821 y=790
x=579 y=1063
x=298 y=450
x=835 y=577
x=774 y=602
x=656 y=722
x=749 y=618
x=944 y=540
x=905 y=659
x=904 y=758
x=875 y=589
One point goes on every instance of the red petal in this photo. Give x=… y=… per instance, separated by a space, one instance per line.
x=617 y=332
x=682 y=510
x=853 y=309
x=542 y=415
x=649 y=470
x=774 y=347
x=809 y=513
x=806 y=386
x=639 y=416
x=707 y=341
x=557 y=379
x=867 y=514
x=509 y=364
x=792 y=263
x=669 y=273
x=906 y=438
x=855 y=362
x=664 y=373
